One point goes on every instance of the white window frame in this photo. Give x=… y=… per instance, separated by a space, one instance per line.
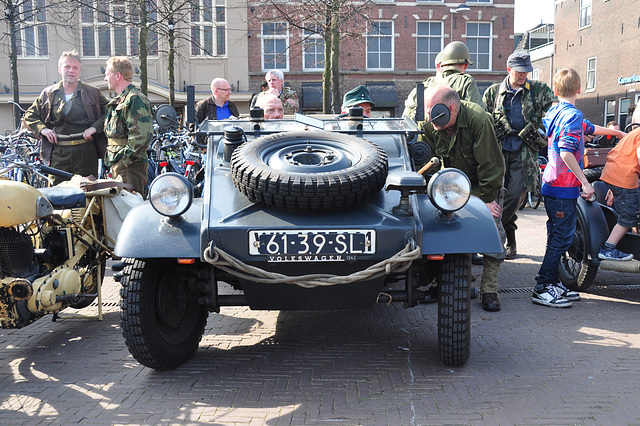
x=431 y=54
x=315 y=42
x=208 y=28
x=591 y=74
x=97 y=25
x=609 y=111
x=585 y=14
x=274 y=37
x=371 y=34
x=474 y=51
x=480 y=1
x=33 y=39
x=535 y=74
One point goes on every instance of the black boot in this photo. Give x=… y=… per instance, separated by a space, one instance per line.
x=511 y=244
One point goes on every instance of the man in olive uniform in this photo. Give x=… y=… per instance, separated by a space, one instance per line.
x=128 y=125
x=517 y=106
x=289 y=98
x=468 y=142
x=66 y=108
x=455 y=59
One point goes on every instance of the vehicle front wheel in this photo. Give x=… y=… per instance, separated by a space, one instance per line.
x=577 y=271
x=161 y=320
x=454 y=309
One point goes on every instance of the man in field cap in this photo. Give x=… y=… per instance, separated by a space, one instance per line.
x=358 y=96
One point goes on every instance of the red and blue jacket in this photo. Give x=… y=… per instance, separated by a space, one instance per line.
x=566 y=128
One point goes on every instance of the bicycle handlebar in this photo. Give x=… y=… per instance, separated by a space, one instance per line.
x=56 y=172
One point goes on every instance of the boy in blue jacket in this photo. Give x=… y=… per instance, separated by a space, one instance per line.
x=561 y=183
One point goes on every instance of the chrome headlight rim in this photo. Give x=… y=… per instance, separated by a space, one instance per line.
x=447 y=181
x=171 y=194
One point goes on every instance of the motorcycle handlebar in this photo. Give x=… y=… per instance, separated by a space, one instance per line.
x=56 y=172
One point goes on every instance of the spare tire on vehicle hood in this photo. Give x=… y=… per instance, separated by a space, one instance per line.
x=309 y=171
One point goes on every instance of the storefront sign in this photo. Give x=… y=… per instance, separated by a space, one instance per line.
x=627 y=80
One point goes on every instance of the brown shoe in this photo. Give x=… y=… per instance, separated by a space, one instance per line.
x=511 y=252
x=490 y=302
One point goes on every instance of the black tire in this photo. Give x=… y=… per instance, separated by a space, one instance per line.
x=309 y=171
x=161 y=320
x=534 y=198
x=577 y=272
x=454 y=309
x=593 y=174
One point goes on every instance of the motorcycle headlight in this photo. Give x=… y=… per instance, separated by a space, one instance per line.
x=449 y=189
x=170 y=194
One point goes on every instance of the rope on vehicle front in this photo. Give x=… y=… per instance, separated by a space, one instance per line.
x=397 y=263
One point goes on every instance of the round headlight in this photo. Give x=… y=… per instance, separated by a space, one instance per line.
x=449 y=189
x=170 y=194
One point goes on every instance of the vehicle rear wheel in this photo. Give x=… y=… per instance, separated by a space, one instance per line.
x=577 y=272
x=454 y=309
x=161 y=320
x=309 y=171
x=94 y=262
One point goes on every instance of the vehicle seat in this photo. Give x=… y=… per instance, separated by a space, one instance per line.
x=64 y=198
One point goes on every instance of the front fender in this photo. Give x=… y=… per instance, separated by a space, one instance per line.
x=469 y=230
x=147 y=234
x=594 y=226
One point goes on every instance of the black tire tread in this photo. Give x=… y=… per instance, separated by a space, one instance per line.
x=454 y=309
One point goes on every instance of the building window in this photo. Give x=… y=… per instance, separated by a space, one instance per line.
x=479 y=39
x=380 y=45
x=313 y=45
x=32 y=30
x=591 y=74
x=103 y=36
x=535 y=74
x=479 y=1
x=428 y=44
x=609 y=111
x=585 y=13
x=623 y=110
x=275 y=46
x=208 y=28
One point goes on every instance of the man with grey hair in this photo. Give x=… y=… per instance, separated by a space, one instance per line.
x=217 y=106
x=288 y=97
x=70 y=107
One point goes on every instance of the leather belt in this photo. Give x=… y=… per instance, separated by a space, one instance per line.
x=73 y=143
x=118 y=141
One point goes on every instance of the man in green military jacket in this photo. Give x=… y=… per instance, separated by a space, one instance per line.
x=289 y=98
x=128 y=125
x=451 y=65
x=517 y=106
x=468 y=142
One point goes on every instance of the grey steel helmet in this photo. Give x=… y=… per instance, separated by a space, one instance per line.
x=456 y=53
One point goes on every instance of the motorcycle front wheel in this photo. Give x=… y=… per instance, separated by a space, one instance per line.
x=161 y=320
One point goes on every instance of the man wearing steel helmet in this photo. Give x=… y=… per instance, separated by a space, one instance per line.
x=455 y=59
x=517 y=106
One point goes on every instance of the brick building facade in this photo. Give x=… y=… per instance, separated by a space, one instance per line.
x=600 y=38
x=394 y=48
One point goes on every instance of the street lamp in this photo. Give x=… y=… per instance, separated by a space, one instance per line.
x=461 y=8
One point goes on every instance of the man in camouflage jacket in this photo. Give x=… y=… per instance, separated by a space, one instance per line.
x=288 y=97
x=517 y=106
x=128 y=125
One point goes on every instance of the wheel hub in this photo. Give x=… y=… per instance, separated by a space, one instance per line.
x=310 y=157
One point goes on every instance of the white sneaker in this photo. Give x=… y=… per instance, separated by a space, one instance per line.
x=549 y=296
x=566 y=293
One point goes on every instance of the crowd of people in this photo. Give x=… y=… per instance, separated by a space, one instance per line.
x=495 y=138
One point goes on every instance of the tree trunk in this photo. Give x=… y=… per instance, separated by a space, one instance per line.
x=335 y=64
x=144 y=54
x=13 y=60
x=170 y=65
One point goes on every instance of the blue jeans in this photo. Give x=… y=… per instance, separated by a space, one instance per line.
x=562 y=216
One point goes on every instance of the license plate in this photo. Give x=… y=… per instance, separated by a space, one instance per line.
x=312 y=244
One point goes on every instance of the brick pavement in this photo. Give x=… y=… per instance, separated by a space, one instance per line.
x=529 y=365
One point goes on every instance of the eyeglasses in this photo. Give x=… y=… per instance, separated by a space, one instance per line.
x=226 y=90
